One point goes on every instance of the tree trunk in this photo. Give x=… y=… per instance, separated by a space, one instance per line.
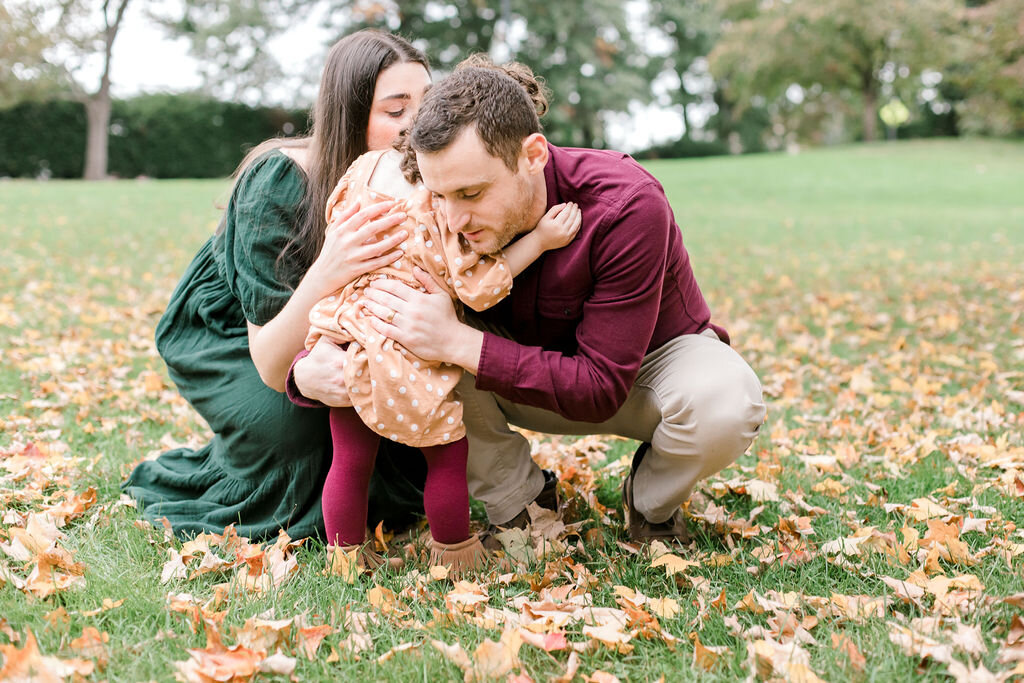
x=870 y=113
x=97 y=107
x=97 y=111
x=687 y=132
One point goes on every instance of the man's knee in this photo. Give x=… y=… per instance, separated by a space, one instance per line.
x=718 y=413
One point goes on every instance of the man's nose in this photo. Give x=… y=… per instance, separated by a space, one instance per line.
x=457 y=217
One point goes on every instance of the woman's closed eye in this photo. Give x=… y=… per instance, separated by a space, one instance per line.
x=396 y=114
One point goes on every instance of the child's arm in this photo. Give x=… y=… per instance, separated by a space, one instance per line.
x=482 y=281
x=555 y=229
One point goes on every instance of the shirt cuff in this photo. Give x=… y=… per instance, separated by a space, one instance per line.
x=294 y=395
x=499 y=360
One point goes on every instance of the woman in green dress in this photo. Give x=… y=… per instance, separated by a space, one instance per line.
x=240 y=314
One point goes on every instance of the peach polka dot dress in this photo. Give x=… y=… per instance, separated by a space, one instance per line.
x=397 y=394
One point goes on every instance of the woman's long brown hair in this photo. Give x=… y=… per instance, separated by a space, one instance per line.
x=338 y=134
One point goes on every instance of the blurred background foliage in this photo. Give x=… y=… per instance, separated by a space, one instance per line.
x=742 y=75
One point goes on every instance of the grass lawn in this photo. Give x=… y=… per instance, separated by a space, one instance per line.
x=872 y=532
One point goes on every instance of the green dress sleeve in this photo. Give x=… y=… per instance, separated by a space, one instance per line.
x=259 y=221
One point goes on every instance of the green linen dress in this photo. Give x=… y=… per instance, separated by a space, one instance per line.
x=264 y=470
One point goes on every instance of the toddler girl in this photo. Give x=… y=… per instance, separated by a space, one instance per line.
x=394 y=393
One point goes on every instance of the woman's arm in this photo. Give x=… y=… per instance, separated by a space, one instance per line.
x=350 y=250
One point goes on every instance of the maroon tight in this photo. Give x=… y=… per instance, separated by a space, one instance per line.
x=445 y=494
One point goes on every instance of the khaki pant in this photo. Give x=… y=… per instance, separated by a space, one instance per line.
x=695 y=400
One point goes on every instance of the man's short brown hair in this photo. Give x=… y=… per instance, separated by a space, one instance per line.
x=504 y=102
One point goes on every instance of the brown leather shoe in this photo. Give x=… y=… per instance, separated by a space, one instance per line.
x=639 y=529
x=547 y=498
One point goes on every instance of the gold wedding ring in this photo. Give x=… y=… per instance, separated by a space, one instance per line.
x=391 y=317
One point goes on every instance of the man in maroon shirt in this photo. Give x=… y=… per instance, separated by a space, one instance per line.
x=610 y=334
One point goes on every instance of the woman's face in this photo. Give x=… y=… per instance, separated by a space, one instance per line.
x=396 y=99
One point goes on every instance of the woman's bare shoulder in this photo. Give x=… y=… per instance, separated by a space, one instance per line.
x=302 y=156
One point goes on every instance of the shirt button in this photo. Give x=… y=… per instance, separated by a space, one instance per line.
x=565 y=311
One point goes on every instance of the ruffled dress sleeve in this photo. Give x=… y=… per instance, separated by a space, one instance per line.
x=261 y=217
x=478 y=281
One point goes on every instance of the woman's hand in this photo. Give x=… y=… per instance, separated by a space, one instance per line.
x=354 y=246
x=321 y=375
x=423 y=322
x=351 y=248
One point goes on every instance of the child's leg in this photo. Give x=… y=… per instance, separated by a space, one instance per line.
x=445 y=494
x=346 y=488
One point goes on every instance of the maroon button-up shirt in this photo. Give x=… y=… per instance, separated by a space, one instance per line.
x=583 y=317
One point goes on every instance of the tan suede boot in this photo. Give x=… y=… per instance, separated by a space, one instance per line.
x=369 y=558
x=461 y=557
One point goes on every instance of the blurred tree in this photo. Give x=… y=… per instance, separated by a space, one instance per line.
x=691 y=27
x=987 y=71
x=56 y=44
x=24 y=73
x=585 y=51
x=229 y=39
x=859 y=48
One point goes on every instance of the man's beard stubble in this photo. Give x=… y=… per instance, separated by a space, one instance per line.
x=516 y=222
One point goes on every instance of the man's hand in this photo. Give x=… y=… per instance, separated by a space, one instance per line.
x=423 y=322
x=321 y=375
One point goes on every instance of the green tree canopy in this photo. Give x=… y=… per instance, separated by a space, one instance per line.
x=230 y=38
x=585 y=51
x=24 y=71
x=846 y=50
x=54 y=44
x=988 y=68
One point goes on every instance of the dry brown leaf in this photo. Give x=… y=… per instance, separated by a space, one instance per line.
x=962 y=673
x=279 y=664
x=106 y=605
x=673 y=564
x=494 y=659
x=92 y=644
x=397 y=649
x=918 y=645
x=922 y=509
x=29 y=664
x=308 y=639
x=611 y=635
x=704 y=657
x=454 y=653
x=666 y=608
x=968 y=639
x=842 y=643
x=1016 y=630
x=601 y=677
x=342 y=563
x=545 y=641
x=174 y=567
x=572 y=665
x=908 y=591
x=786 y=660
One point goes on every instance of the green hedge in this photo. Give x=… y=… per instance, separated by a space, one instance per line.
x=162 y=136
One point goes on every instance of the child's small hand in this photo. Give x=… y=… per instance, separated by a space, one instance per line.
x=559 y=225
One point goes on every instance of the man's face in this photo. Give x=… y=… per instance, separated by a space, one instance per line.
x=483 y=200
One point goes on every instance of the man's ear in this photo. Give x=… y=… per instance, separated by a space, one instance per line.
x=534 y=156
